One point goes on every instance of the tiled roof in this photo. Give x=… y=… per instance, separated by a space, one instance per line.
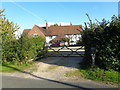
x=58 y=30
x=59 y=37
x=26 y=31
x=42 y=29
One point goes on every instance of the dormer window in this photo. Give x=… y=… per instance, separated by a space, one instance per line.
x=35 y=35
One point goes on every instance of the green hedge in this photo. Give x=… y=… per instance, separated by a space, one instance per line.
x=108 y=46
x=20 y=50
x=106 y=38
x=23 y=50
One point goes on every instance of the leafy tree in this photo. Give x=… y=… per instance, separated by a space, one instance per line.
x=80 y=42
x=105 y=37
x=54 y=25
x=107 y=55
x=20 y=50
x=7 y=30
x=30 y=48
x=88 y=40
x=1 y=11
x=53 y=41
x=66 y=39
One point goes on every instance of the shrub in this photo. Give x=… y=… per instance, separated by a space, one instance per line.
x=107 y=55
x=20 y=50
x=106 y=38
x=30 y=48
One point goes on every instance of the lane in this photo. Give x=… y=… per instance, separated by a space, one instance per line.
x=16 y=82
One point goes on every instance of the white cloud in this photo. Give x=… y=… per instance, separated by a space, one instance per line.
x=52 y=23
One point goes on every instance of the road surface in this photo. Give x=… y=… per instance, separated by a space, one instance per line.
x=16 y=82
x=19 y=82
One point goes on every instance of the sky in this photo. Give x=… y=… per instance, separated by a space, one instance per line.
x=28 y=14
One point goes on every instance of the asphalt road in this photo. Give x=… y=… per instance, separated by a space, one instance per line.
x=15 y=82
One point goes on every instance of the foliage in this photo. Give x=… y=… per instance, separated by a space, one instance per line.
x=74 y=73
x=107 y=55
x=53 y=41
x=97 y=74
x=12 y=67
x=1 y=11
x=54 y=25
x=21 y=50
x=7 y=30
x=101 y=75
x=105 y=37
x=65 y=39
x=80 y=42
x=25 y=49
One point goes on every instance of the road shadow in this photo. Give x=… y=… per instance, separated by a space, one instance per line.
x=68 y=84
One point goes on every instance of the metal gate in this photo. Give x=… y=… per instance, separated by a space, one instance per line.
x=64 y=51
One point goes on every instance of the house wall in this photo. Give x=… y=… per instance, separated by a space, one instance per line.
x=49 y=38
x=35 y=31
x=74 y=38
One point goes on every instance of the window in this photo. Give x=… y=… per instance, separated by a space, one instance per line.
x=35 y=35
x=50 y=37
x=68 y=35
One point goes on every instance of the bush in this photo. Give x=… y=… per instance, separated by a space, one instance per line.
x=106 y=38
x=24 y=49
x=107 y=55
x=30 y=48
x=20 y=50
x=80 y=42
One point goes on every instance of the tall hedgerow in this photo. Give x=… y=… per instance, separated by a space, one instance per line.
x=21 y=50
x=105 y=37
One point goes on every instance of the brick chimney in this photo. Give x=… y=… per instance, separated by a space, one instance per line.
x=46 y=25
x=70 y=24
x=60 y=24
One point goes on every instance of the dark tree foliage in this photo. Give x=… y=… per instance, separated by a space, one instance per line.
x=106 y=38
x=108 y=45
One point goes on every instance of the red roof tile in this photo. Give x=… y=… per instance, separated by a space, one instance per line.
x=58 y=30
x=26 y=31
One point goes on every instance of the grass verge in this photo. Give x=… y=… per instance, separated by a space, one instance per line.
x=75 y=73
x=12 y=67
x=96 y=74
